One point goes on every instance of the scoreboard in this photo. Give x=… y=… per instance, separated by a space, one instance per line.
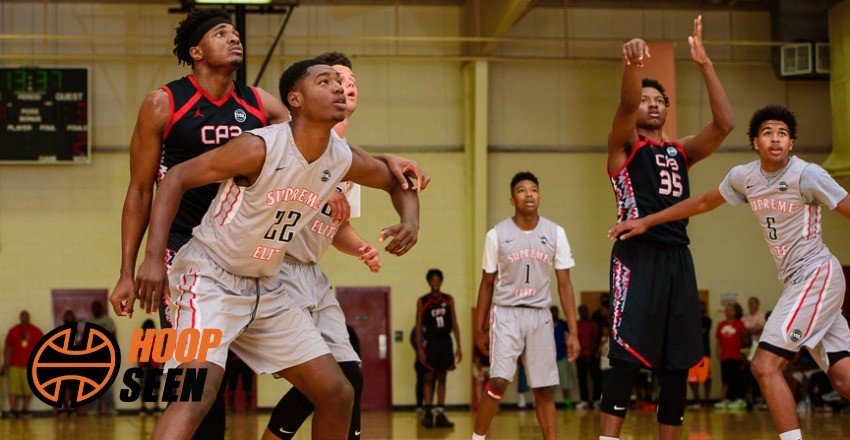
x=44 y=115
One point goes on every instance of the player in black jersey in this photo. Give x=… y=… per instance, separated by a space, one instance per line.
x=435 y=314
x=655 y=307
x=177 y=122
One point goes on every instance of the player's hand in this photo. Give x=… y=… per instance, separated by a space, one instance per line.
x=369 y=256
x=627 y=229
x=697 y=50
x=151 y=282
x=573 y=347
x=458 y=356
x=405 y=169
x=421 y=355
x=340 y=209
x=483 y=342
x=404 y=237
x=634 y=51
x=123 y=297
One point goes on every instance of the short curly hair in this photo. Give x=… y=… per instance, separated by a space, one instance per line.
x=293 y=75
x=186 y=27
x=523 y=175
x=335 y=59
x=653 y=83
x=772 y=113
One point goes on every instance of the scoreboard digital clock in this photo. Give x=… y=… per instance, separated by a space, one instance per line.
x=44 y=115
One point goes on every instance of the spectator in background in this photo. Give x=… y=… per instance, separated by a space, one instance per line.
x=19 y=345
x=420 y=371
x=147 y=366
x=602 y=315
x=732 y=337
x=106 y=403
x=587 y=364
x=701 y=373
x=754 y=322
x=565 y=372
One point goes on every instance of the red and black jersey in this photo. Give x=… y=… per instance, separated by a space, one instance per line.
x=654 y=177
x=199 y=123
x=436 y=313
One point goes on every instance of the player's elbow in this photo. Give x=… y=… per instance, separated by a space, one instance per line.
x=725 y=125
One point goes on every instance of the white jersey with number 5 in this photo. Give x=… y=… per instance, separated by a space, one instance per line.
x=523 y=261
x=247 y=229
x=787 y=204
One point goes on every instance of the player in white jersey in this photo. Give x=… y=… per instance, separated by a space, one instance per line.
x=519 y=255
x=786 y=195
x=274 y=183
x=311 y=289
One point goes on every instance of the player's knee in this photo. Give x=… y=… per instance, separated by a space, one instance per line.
x=354 y=374
x=498 y=385
x=761 y=368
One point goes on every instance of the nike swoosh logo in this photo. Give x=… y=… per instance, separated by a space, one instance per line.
x=286 y=432
x=279 y=168
x=750 y=186
x=357 y=432
x=616 y=408
x=508 y=241
x=546 y=322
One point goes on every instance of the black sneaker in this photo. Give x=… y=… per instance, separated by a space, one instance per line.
x=441 y=421
x=427 y=420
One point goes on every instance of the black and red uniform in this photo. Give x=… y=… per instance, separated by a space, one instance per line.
x=436 y=318
x=655 y=314
x=197 y=124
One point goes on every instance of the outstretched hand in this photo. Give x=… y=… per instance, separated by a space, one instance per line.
x=404 y=237
x=369 y=256
x=628 y=229
x=695 y=41
x=634 y=51
x=406 y=169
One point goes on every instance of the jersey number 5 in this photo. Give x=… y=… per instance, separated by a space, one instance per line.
x=670 y=184
x=770 y=223
x=281 y=232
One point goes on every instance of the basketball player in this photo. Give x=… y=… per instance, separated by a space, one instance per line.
x=307 y=284
x=786 y=195
x=177 y=122
x=435 y=312
x=274 y=183
x=654 y=305
x=520 y=252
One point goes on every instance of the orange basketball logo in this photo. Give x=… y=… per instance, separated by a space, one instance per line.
x=58 y=366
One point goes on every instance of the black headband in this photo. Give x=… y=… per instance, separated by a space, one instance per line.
x=204 y=27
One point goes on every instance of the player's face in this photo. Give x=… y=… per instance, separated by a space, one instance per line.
x=435 y=282
x=774 y=145
x=350 y=84
x=221 y=46
x=526 y=197
x=653 y=110
x=323 y=94
x=25 y=318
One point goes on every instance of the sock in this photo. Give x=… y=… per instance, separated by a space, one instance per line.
x=439 y=409
x=477 y=437
x=602 y=437
x=794 y=434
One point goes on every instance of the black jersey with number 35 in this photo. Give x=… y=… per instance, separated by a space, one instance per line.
x=654 y=177
x=199 y=123
x=436 y=312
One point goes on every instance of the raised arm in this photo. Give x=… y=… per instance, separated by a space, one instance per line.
x=368 y=171
x=568 y=303
x=687 y=208
x=622 y=135
x=145 y=152
x=707 y=140
x=243 y=156
x=482 y=309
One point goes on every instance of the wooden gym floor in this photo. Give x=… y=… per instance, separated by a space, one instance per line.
x=510 y=424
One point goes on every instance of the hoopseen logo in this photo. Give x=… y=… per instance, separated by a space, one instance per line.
x=85 y=371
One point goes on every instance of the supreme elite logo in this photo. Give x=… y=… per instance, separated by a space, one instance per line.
x=84 y=368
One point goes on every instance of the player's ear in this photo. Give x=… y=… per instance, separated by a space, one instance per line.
x=196 y=53
x=791 y=147
x=295 y=99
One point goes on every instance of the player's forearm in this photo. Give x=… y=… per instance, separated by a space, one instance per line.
x=164 y=209
x=347 y=240
x=568 y=303
x=721 y=109
x=485 y=296
x=630 y=88
x=134 y=221
x=687 y=208
x=406 y=204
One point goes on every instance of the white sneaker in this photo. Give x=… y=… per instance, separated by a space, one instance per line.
x=737 y=404
x=831 y=396
x=520 y=403
x=694 y=406
x=802 y=407
x=582 y=405
x=722 y=404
